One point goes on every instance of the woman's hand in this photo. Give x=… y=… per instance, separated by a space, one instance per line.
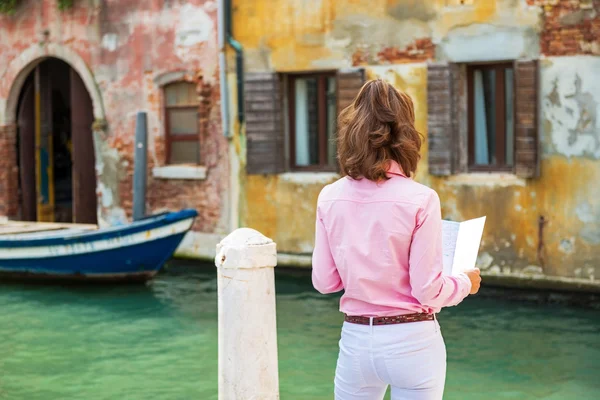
x=475 y=279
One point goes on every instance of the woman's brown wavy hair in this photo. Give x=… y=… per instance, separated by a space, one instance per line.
x=377 y=128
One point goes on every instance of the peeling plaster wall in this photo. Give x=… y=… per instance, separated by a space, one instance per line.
x=571 y=106
x=128 y=46
x=290 y=35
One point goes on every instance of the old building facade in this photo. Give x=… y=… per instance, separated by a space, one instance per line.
x=71 y=83
x=505 y=92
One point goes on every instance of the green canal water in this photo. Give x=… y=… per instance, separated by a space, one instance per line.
x=160 y=342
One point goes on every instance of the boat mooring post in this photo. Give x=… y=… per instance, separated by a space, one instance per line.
x=248 y=366
x=140 y=166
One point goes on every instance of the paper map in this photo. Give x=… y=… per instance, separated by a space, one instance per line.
x=460 y=244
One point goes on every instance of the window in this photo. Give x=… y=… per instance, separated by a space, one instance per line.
x=491 y=116
x=310 y=102
x=483 y=117
x=313 y=114
x=181 y=116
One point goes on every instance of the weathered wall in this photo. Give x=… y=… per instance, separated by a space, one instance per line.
x=295 y=35
x=392 y=39
x=130 y=47
x=570 y=27
x=282 y=207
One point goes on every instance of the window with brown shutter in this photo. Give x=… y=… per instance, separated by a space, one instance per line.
x=181 y=117
x=314 y=100
x=488 y=111
x=503 y=101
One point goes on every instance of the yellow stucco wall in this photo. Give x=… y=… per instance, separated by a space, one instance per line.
x=298 y=35
x=283 y=207
x=288 y=35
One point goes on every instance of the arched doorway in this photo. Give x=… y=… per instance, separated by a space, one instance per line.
x=57 y=177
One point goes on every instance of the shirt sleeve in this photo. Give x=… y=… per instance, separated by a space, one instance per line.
x=429 y=286
x=325 y=276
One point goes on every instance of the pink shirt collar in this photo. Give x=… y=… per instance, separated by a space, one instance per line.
x=395 y=169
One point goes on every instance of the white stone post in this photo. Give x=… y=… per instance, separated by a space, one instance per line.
x=248 y=368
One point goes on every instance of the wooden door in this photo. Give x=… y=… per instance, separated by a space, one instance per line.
x=27 y=175
x=43 y=143
x=84 y=168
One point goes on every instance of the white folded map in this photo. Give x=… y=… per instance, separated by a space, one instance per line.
x=460 y=244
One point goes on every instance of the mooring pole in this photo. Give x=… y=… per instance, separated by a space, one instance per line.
x=248 y=367
x=140 y=166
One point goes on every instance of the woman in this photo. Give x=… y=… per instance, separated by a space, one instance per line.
x=379 y=238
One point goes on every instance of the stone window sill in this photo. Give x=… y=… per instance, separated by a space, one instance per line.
x=308 y=178
x=189 y=172
x=498 y=179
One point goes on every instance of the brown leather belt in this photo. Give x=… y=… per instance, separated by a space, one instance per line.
x=399 y=319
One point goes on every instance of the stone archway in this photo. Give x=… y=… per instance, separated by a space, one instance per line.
x=13 y=78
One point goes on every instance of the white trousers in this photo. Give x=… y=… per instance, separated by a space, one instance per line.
x=411 y=357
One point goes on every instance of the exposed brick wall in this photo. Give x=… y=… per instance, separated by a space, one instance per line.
x=203 y=195
x=418 y=51
x=570 y=27
x=9 y=184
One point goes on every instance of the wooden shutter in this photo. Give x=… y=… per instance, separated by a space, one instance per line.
x=264 y=127
x=442 y=118
x=349 y=83
x=526 y=109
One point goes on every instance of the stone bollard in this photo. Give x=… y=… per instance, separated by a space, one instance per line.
x=248 y=367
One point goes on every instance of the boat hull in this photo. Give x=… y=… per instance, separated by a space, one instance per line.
x=133 y=253
x=36 y=277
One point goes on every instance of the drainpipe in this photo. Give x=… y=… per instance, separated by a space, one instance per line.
x=239 y=62
x=223 y=69
x=225 y=36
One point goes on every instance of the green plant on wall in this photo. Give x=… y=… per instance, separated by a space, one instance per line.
x=8 y=6
x=65 y=4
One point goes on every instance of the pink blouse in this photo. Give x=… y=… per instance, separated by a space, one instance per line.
x=382 y=244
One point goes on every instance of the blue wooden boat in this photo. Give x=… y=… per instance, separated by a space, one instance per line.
x=132 y=252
